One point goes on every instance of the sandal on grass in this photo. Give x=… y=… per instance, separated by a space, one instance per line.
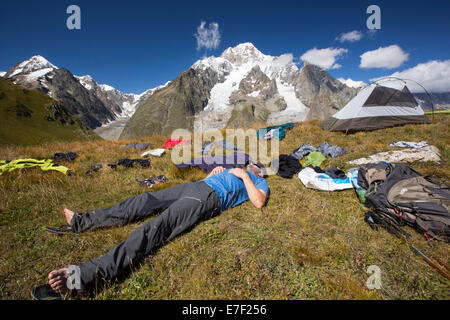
x=45 y=292
x=66 y=229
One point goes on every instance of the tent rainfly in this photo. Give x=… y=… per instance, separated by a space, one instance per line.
x=377 y=107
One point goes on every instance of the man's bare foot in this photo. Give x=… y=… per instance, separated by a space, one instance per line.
x=68 y=214
x=57 y=279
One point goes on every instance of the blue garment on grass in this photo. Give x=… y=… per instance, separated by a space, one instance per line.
x=279 y=131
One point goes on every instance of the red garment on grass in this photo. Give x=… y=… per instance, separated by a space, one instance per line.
x=172 y=143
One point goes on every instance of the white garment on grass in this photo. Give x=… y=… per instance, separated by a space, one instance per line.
x=321 y=181
x=154 y=152
x=404 y=144
x=430 y=153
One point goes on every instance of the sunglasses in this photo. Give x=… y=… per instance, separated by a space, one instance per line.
x=255 y=166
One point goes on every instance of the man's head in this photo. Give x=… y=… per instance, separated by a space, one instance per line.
x=257 y=169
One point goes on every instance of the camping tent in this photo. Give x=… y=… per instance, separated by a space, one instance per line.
x=376 y=107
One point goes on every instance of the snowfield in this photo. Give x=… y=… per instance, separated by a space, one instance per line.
x=295 y=111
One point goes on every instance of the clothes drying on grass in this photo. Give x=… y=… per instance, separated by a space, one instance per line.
x=335 y=173
x=154 y=152
x=314 y=159
x=303 y=151
x=207 y=147
x=172 y=143
x=150 y=182
x=266 y=134
x=331 y=151
x=69 y=156
x=287 y=166
x=430 y=153
x=208 y=163
x=322 y=181
x=274 y=133
x=129 y=163
x=325 y=148
x=277 y=132
x=94 y=169
x=141 y=146
x=45 y=165
x=404 y=144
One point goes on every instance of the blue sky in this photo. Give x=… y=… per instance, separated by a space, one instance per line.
x=136 y=45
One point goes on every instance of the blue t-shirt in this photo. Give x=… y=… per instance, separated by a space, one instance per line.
x=231 y=189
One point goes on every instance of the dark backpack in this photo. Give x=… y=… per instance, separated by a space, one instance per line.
x=412 y=199
x=371 y=175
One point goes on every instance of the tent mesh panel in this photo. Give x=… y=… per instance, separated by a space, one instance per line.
x=383 y=96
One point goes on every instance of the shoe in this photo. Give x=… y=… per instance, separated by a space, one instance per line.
x=45 y=292
x=66 y=229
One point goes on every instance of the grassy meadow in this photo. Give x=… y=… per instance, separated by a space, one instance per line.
x=305 y=244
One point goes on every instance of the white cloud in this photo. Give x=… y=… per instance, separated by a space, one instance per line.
x=324 y=58
x=351 y=36
x=434 y=75
x=384 y=57
x=208 y=37
x=283 y=60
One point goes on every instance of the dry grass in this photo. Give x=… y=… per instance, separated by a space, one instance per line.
x=305 y=244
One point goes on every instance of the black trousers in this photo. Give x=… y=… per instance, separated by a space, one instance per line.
x=185 y=206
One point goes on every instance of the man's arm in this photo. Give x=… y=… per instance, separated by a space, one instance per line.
x=257 y=196
x=216 y=170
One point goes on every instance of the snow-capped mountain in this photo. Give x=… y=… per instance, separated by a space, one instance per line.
x=31 y=69
x=250 y=77
x=274 y=87
x=31 y=73
x=2 y=73
x=95 y=104
x=352 y=83
x=240 y=87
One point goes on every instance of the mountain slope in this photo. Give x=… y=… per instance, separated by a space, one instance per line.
x=439 y=100
x=321 y=92
x=122 y=105
x=30 y=117
x=173 y=106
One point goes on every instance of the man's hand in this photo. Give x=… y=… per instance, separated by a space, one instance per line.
x=238 y=172
x=216 y=170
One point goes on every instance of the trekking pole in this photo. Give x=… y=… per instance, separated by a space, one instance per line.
x=440 y=262
x=379 y=217
x=429 y=261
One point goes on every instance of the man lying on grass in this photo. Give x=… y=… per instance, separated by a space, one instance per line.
x=185 y=205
